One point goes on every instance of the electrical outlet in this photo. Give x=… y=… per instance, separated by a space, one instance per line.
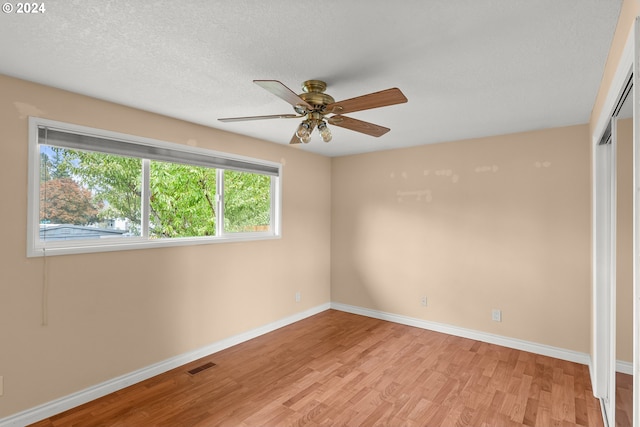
x=423 y=301
x=298 y=297
x=496 y=315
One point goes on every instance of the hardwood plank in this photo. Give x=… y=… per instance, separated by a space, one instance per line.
x=337 y=368
x=624 y=400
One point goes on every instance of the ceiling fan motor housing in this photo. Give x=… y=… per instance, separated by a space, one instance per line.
x=314 y=94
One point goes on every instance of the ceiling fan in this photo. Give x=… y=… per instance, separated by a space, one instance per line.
x=313 y=105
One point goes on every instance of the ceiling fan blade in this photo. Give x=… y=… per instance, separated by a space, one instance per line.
x=283 y=92
x=365 y=102
x=275 y=116
x=358 y=125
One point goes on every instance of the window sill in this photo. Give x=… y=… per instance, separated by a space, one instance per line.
x=137 y=244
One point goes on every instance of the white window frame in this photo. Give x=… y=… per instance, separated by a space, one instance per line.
x=37 y=247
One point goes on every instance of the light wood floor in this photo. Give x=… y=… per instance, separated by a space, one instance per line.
x=341 y=369
x=624 y=400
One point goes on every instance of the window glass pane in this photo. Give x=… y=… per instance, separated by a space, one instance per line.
x=247 y=202
x=88 y=195
x=182 y=200
x=92 y=190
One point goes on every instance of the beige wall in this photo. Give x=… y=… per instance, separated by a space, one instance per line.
x=113 y=313
x=624 y=241
x=500 y=222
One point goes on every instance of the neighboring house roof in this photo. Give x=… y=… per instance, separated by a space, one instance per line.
x=75 y=232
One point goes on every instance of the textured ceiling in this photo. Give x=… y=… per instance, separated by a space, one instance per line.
x=469 y=68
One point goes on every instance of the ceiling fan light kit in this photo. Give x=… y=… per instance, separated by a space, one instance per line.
x=325 y=133
x=313 y=106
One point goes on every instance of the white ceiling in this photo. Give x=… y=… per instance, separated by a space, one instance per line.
x=469 y=68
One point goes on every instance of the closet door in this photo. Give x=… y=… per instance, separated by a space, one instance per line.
x=604 y=272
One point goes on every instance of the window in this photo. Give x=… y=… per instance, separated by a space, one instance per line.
x=92 y=190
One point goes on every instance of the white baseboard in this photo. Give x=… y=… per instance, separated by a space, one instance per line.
x=624 y=367
x=545 y=350
x=71 y=401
